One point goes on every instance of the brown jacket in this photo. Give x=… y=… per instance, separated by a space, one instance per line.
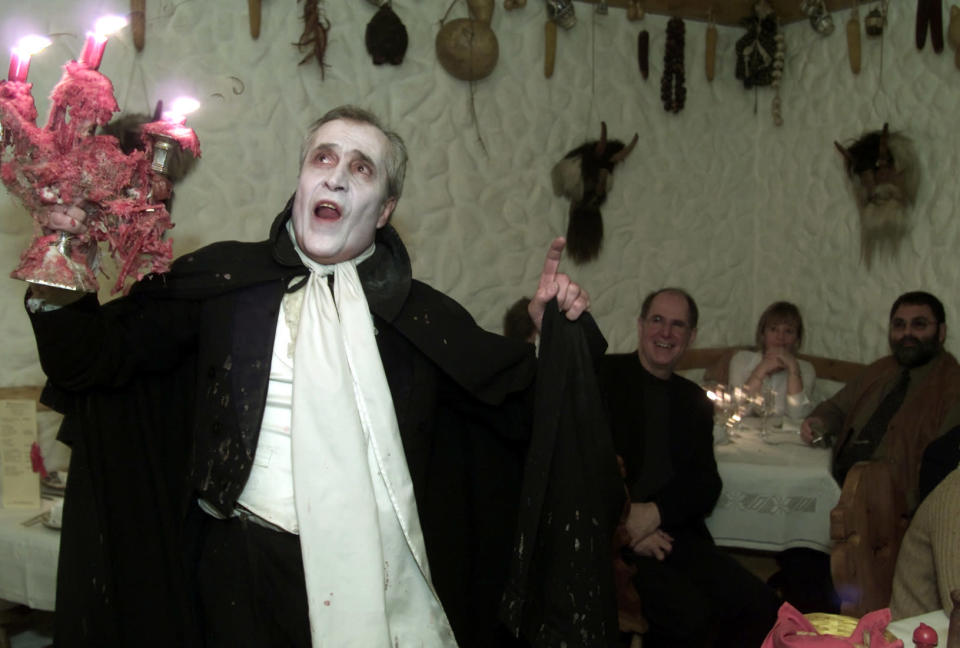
x=936 y=390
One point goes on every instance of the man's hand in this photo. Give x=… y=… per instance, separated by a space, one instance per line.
x=811 y=428
x=643 y=519
x=657 y=545
x=64 y=219
x=571 y=298
x=69 y=219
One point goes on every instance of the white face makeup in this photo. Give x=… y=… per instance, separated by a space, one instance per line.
x=341 y=195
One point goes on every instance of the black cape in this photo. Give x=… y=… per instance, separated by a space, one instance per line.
x=561 y=589
x=125 y=568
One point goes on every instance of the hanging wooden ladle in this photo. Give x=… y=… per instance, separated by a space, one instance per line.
x=953 y=33
x=711 y=47
x=254 y=7
x=138 y=21
x=853 y=38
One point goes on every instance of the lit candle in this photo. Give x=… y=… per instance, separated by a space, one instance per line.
x=96 y=41
x=20 y=56
x=179 y=109
x=174 y=132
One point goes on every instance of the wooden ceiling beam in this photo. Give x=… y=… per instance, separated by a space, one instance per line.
x=723 y=12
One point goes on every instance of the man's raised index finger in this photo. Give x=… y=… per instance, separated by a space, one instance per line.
x=554 y=254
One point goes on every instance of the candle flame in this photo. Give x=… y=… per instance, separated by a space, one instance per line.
x=32 y=44
x=179 y=109
x=107 y=25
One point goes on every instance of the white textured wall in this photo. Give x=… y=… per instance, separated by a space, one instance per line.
x=715 y=199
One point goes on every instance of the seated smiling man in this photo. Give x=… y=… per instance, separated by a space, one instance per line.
x=662 y=425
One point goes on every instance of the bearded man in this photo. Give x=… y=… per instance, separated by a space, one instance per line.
x=900 y=403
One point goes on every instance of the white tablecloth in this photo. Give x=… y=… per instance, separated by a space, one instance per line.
x=777 y=492
x=938 y=620
x=28 y=560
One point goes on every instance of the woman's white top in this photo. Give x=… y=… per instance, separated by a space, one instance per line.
x=798 y=405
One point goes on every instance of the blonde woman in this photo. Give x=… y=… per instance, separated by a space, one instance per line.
x=774 y=366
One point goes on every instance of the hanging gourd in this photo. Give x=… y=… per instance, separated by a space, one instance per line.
x=467 y=48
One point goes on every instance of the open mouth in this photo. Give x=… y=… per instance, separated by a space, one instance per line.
x=327 y=211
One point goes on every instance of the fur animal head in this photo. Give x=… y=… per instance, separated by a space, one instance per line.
x=882 y=170
x=584 y=176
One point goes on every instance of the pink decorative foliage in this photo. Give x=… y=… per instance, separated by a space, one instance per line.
x=36 y=460
x=65 y=163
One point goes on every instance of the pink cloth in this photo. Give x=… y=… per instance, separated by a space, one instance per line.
x=793 y=630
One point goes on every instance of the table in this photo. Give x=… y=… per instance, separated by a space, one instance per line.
x=28 y=559
x=938 y=620
x=777 y=492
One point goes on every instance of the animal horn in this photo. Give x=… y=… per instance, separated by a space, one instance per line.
x=602 y=144
x=883 y=151
x=845 y=152
x=624 y=152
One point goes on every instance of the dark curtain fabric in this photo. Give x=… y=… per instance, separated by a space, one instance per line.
x=561 y=590
x=121 y=565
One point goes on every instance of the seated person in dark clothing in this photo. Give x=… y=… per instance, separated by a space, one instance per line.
x=517 y=323
x=692 y=591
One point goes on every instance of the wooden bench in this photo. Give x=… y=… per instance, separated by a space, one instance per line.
x=715 y=361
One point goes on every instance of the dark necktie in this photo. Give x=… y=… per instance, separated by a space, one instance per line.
x=862 y=446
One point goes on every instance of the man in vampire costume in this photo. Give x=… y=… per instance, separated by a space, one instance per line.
x=293 y=442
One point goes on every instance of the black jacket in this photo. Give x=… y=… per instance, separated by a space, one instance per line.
x=688 y=483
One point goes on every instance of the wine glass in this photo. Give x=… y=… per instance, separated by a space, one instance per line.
x=766 y=405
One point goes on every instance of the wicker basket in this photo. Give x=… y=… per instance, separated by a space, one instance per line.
x=838 y=624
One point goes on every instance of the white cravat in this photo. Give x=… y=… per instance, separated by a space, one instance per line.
x=368 y=581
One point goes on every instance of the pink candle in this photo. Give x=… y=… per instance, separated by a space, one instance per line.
x=19 y=66
x=96 y=41
x=20 y=56
x=93 y=48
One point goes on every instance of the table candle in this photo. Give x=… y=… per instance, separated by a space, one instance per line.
x=20 y=56
x=96 y=41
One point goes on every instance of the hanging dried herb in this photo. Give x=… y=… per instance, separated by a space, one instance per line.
x=756 y=49
x=673 y=94
x=313 y=40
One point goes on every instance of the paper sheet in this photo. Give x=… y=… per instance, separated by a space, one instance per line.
x=18 y=430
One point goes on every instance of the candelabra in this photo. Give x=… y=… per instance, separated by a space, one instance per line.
x=66 y=165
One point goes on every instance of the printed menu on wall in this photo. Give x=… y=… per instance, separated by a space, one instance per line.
x=18 y=430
